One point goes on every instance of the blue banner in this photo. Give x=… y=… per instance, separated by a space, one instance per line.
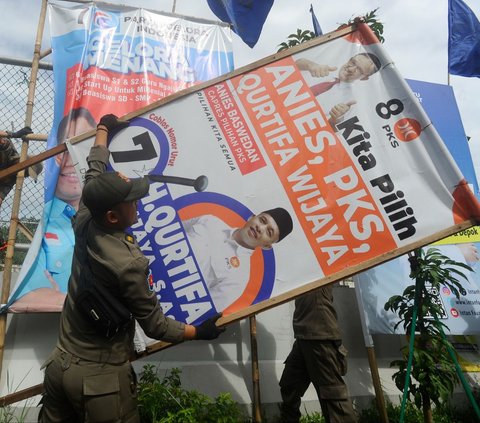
x=463 y=40
x=107 y=59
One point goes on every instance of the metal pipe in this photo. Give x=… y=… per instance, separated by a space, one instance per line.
x=26 y=63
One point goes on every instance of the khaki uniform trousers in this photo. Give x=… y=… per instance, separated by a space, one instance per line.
x=77 y=391
x=322 y=363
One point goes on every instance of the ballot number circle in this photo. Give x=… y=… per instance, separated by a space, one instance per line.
x=140 y=149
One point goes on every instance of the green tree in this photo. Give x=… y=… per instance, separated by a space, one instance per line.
x=371 y=19
x=301 y=36
x=434 y=375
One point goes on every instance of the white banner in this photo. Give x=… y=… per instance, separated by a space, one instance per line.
x=357 y=164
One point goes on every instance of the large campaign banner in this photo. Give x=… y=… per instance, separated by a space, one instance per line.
x=107 y=59
x=330 y=132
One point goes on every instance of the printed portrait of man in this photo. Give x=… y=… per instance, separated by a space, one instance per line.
x=223 y=253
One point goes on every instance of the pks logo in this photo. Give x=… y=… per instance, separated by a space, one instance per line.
x=407 y=129
x=105 y=20
x=404 y=129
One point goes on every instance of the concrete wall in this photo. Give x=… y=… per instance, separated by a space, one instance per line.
x=223 y=365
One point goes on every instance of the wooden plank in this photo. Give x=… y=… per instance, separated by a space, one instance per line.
x=345 y=273
x=283 y=298
x=29 y=161
x=252 y=66
x=273 y=302
x=21 y=395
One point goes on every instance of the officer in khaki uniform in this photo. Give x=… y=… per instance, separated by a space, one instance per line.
x=88 y=378
x=9 y=156
x=317 y=357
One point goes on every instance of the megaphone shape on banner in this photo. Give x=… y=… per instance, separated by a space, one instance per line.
x=199 y=184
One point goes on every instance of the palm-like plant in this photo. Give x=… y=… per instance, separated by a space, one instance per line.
x=371 y=19
x=433 y=372
x=303 y=35
x=295 y=39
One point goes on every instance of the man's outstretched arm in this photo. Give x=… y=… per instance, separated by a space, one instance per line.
x=317 y=70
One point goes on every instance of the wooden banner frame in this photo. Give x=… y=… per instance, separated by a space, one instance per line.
x=340 y=275
x=285 y=297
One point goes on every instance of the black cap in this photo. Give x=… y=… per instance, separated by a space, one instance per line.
x=282 y=219
x=111 y=188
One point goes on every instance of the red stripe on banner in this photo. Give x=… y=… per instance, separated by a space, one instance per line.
x=364 y=35
x=235 y=129
x=96 y=90
x=331 y=200
x=465 y=205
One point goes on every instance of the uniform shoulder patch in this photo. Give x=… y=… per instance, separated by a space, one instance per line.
x=129 y=238
x=150 y=282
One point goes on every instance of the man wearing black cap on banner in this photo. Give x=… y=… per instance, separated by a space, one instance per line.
x=223 y=253
x=88 y=376
x=319 y=357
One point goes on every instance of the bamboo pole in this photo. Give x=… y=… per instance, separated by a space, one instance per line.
x=21 y=395
x=372 y=359
x=7 y=273
x=377 y=385
x=256 y=406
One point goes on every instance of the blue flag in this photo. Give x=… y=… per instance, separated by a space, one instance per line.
x=316 y=26
x=463 y=40
x=246 y=16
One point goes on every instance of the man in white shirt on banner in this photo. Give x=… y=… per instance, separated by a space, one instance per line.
x=223 y=253
x=336 y=95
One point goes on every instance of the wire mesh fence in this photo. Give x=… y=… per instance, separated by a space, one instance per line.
x=14 y=85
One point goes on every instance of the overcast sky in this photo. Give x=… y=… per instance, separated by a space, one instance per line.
x=415 y=31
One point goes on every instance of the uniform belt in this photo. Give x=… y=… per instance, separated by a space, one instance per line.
x=335 y=342
x=68 y=358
